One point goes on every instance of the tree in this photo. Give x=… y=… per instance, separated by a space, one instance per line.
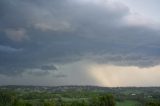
x=6 y=99
x=105 y=100
x=77 y=103
x=28 y=104
x=18 y=103
x=49 y=103
x=153 y=103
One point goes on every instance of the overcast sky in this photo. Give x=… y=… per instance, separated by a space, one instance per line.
x=80 y=42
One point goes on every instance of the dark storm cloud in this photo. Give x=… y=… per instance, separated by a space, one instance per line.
x=55 y=31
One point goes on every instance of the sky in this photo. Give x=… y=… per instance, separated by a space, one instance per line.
x=109 y=43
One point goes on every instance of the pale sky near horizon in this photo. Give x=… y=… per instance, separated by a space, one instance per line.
x=80 y=42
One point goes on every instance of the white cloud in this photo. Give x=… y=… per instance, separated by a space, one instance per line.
x=135 y=19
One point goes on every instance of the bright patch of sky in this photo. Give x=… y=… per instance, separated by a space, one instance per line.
x=147 y=8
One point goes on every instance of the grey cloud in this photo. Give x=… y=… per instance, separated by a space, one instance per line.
x=60 y=76
x=48 y=67
x=8 y=49
x=60 y=32
x=16 y=35
x=37 y=72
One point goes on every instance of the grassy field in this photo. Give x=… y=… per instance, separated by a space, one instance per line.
x=127 y=103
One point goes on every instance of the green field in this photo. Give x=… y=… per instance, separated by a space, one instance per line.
x=127 y=103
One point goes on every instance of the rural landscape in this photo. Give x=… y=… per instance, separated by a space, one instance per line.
x=79 y=53
x=78 y=96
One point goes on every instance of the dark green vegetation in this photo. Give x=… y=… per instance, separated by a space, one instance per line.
x=78 y=96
